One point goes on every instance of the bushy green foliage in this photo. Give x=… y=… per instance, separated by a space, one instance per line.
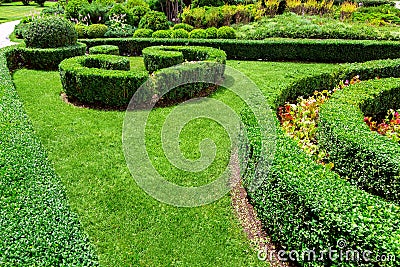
x=143 y=33
x=184 y=26
x=48 y=58
x=96 y=30
x=368 y=3
x=198 y=34
x=37 y=226
x=73 y=7
x=212 y=33
x=137 y=14
x=135 y=3
x=93 y=13
x=122 y=13
x=377 y=15
x=81 y=30
x=52 y=10
x=155 y=21
x=201 y=3
x=226 y=32
x=275 y=49
x=162 y=34
x=105 y=49
x=50 y=32
x=180 y=33
x=367 y=159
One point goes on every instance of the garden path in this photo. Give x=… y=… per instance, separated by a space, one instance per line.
x=5 y=30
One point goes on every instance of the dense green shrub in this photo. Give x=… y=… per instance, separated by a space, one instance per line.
x=213 y=17
x=143 y=33
x=184 y=26
x=367 y=159
x=201 y=3
x=162 y=34
x=212 y=33
x=96 y=30
x=48 y=58
x=377 y=15
x=122 y=13
x=180 y=33
x=368 y=3
x=93 y=13
x=135 y=3
x=37 y=226
x=138 y=13
x=155 y=21
x=107 y=62
x=81 y=30
x=156 y=59
x=226 y=32
x=198 y=34
x=73 y=7
x=274 y=49
x=194 y=17
x=104 y=49
x=50 y=32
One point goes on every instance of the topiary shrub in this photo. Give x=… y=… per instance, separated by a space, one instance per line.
x=137 y=14
x=155 y=21
x=180 y=33
x=96 y=30
x=184 y=26
x=73 y=7
x=198 y=34
x=104 y=49
x=143 y=33
x=162 y=34
x=81 y=30
x=212 y=33
x=226 y=32
x=50 y=32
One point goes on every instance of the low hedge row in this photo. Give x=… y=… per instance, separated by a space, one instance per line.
x=159 y=57
x=367 y=159
x=90 y=84
x=305 y=206
x=104 y=49
x=37 y=227
x=48 y=58
x=271 y=49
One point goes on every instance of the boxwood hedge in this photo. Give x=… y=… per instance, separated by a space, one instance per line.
x=91 y=84
x=37 y=227
x=104 y=49
x=302 y=204
x=367 y=159
x=271 y=49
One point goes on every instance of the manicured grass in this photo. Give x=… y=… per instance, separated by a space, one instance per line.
x=128 y=226
x=16 y=10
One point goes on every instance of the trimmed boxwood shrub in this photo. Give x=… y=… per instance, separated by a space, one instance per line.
x=180 y=33
x=96 y=30
x=143 y=33
x=162 y=34
x=368 y=159
x=212 y=33
x=198 y=34
x=104 y=49
x=116 y=88
x=273 y=49
x=159 y=57
x=184 y=26
x=226 y=32
x=37 y=225
x=81 y=30
x=48 y=58
x=155 y=21
x=50 y=32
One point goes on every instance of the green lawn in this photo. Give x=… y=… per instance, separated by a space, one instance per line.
x=128 y=227
x=16 y=10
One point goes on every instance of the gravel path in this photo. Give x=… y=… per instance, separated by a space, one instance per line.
x=5 y=30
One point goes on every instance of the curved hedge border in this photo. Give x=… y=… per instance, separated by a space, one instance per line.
x=49 y=58
x=270 y=49
x=303 y=205
x=104 y=49
x=37 y=225
x=116 y=88
x=159 y=57
x=369 y=160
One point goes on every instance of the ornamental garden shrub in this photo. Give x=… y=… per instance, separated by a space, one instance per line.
x=198 y=34
x=104 y=49
x=155 y=21
x=96 y=30
x=212 y=33
x=162 y=34
x=184 y=26
x=81 y=30
x=180 y=33
x=226 y=32
x=143 y=33
x=50 y=32
x=138 y=13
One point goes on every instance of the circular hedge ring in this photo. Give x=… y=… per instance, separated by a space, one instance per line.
x=106 y=79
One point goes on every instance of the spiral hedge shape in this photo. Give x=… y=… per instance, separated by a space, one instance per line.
x=115 y=87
